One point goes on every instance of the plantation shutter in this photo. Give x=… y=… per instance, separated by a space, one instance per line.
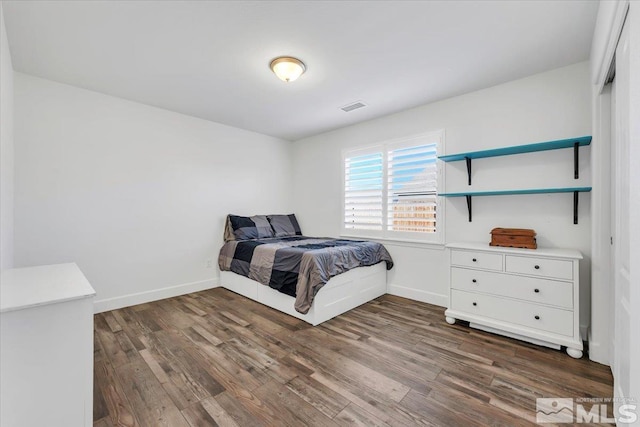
x=391 y=190
x=412 y=182
x=363 y=192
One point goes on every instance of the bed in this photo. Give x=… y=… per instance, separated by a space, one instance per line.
x=267 y=259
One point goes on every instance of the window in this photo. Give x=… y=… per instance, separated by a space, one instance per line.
x=390 y=190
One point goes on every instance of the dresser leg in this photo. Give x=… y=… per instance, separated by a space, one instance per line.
x=576 y=354
x=450 y=320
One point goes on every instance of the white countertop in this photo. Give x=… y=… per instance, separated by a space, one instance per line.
x=46 y=284
x=545 y=252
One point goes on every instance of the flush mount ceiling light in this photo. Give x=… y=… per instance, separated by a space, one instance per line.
x=287 y=68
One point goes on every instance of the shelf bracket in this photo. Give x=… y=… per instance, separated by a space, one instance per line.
x=576 y=158
x=575 y=207
x=469 y=206
x=468 y=159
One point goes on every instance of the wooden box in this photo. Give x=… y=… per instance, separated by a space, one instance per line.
x=513 y=238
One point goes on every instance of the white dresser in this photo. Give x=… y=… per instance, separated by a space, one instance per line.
x=531 y=295
x=46 y=347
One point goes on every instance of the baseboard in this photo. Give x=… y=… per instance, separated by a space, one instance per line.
x=157 y=294
x=418 y=295
x=172 y=291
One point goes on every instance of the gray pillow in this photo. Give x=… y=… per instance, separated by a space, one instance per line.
x=247 y=227
x=284 y=225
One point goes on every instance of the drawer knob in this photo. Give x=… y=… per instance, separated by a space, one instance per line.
x=474 y=280
x=474 y=260
x=536 y=290
x=537 y=317
x=537 y=267
x=475 y=303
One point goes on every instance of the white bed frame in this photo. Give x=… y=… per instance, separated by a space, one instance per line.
x=342 y=293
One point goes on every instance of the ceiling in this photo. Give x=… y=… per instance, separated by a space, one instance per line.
x=210 y=59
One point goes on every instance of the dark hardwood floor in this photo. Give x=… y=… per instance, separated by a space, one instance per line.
x=216 y=358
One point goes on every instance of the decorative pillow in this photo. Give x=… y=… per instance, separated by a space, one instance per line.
x=247 y=228
x=285 y=225
x=228 y=230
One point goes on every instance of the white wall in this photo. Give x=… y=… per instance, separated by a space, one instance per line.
x=135 y=195
x=547 y=106
x=6 y=150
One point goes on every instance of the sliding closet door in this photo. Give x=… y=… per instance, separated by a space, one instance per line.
x=620 y=168
x=612 y=254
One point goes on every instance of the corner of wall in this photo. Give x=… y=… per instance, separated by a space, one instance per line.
x=6 y=149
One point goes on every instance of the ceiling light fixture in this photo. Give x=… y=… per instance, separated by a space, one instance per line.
x=287 y=68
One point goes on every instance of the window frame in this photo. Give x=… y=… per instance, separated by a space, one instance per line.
x=384 y=147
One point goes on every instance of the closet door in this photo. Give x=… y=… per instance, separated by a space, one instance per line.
x=620 y=168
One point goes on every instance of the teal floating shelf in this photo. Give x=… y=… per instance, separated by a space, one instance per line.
x=527 y=191
x=518 y=149
x=575 y=190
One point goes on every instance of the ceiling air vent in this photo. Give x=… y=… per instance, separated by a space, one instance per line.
x=353 y=106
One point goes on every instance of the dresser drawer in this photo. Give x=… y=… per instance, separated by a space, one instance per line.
x=522 y=313
x=543 y=267
x=540 y=291
x=482 y=260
